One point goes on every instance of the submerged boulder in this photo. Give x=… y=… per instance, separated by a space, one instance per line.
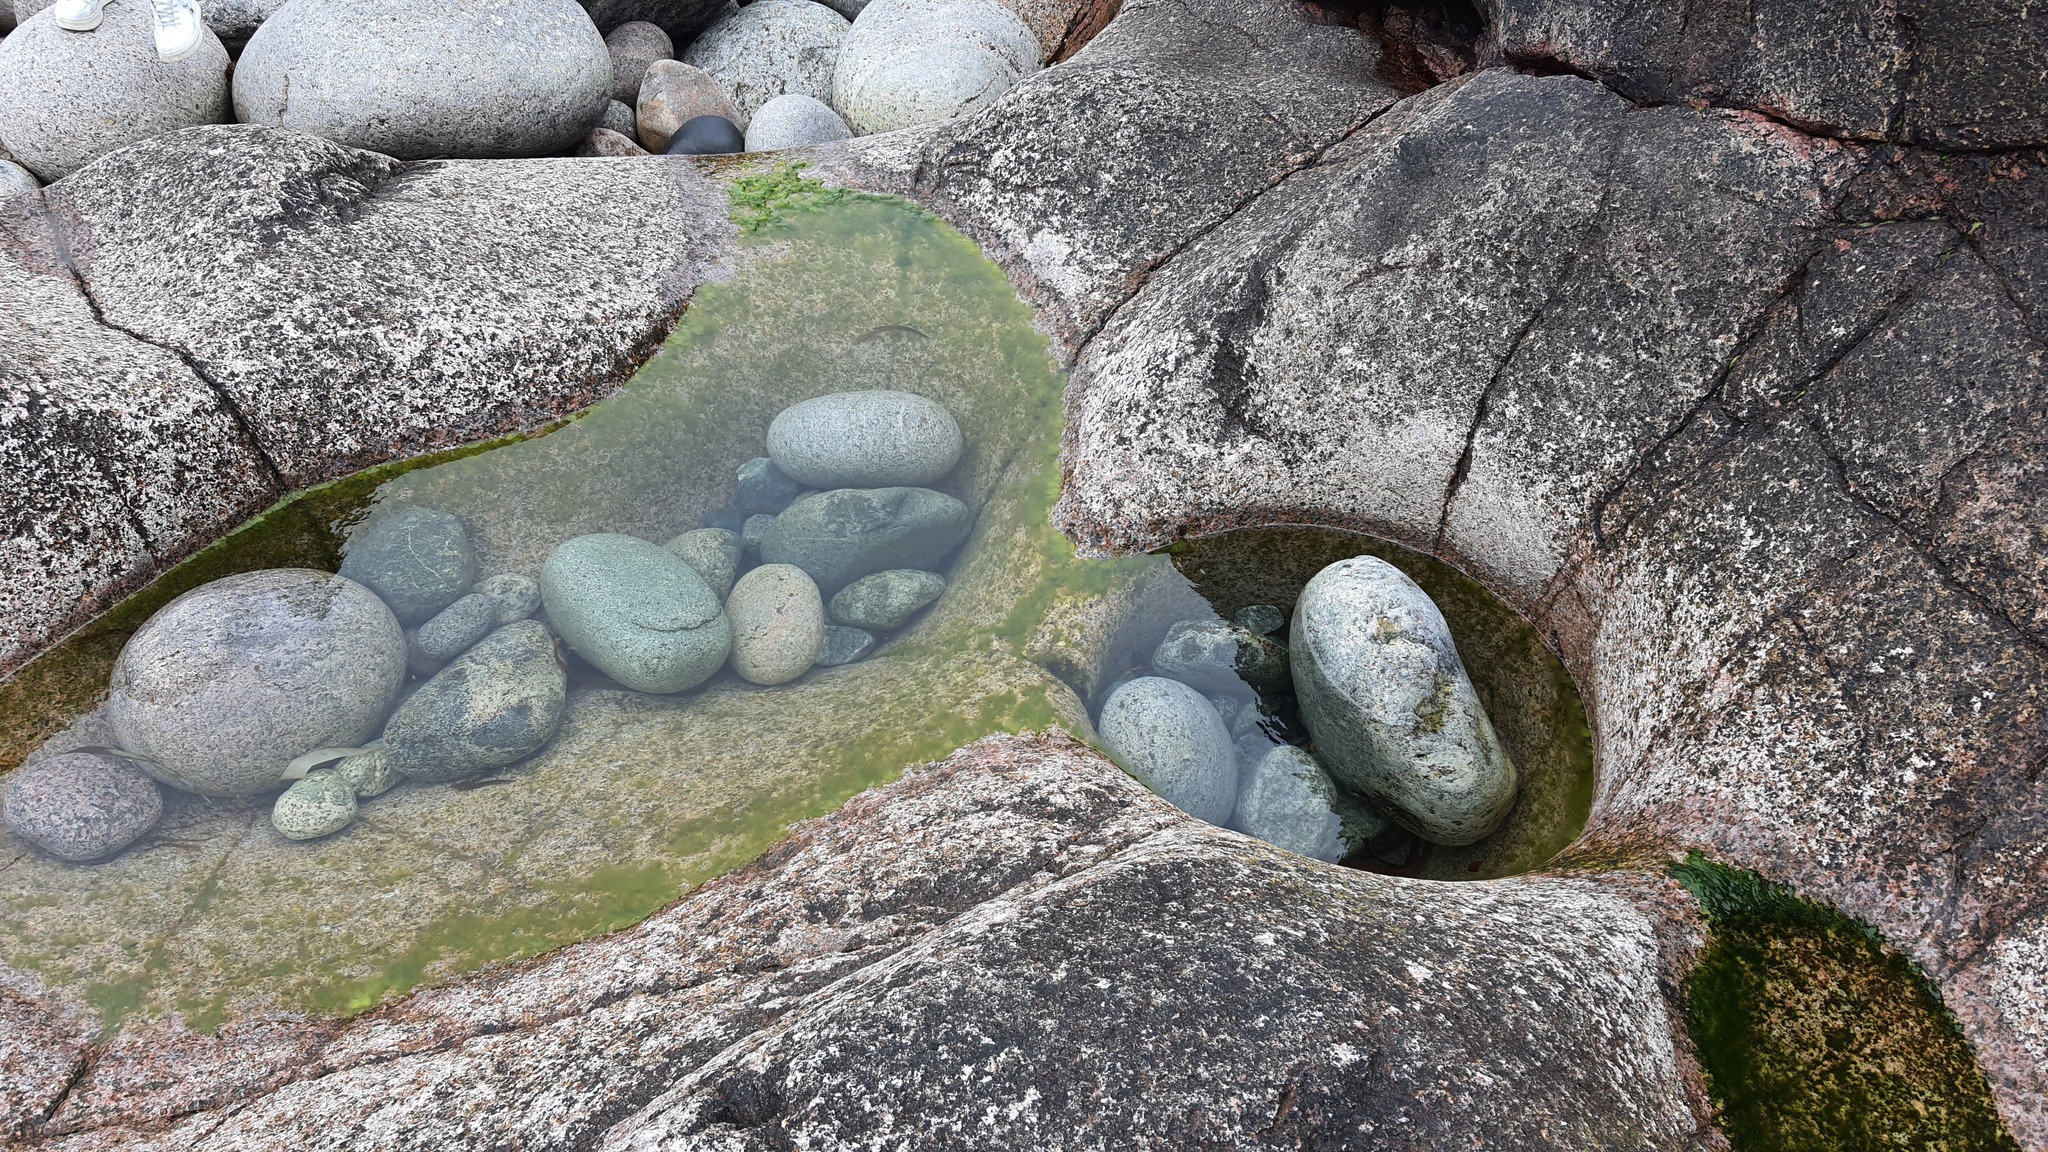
x=869 y=439
x=499 y=702
x=1219 y=657
x=840 y=536
x=79 y=806
x=713 y=553
x=226 y=685
x=320 y=805
x=886 y=600
x=778 y=624
x=487 y=78
x=1286 y=799
x=418 y=559
x=1170 y=737
x=1392 y=710
x=636 y=611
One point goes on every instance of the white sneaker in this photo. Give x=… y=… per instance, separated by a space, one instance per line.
x=178 y=28
x=79 y=15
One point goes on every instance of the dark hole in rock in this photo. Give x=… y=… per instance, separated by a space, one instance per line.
x=1422 y=42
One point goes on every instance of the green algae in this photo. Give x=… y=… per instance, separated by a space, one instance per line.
x=764 y=199
x=1815 y=1037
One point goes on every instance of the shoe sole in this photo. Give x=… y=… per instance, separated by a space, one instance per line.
x=81 y=25
x=177 y=56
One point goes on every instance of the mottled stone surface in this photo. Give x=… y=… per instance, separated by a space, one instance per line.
x=847 y=533
x=1018 y=869
x=496 y=704
x=886 y=599
x=636 y=611
x=1951 y=73
x=673 y=93
x=634 y=47
x=770 y=48
x=778 y=624
x=872 y=438
x=79 y=806
x=418 y=560
x=384 y=313
x=1165 y=734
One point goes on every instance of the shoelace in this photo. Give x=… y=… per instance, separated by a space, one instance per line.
x=168 y=11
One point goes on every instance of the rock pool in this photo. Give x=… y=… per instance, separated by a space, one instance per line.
x=638 y=797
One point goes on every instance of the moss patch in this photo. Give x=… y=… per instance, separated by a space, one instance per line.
x=764 y=199
x=1815 y=1036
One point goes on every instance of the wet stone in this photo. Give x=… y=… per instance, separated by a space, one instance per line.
x=499 y=702
x=778 y=624
x=866 y=439
x=1286 y=799
x=845 y=534
x=1260 y=619
x=714 y=553
x=1218 y=657
x=418 y=559
x=752 y=533
x=452 y=630
x=762 y=487
x=844 y=645
x=1393 y=712
x=729 y=519
x=80 y=807
x=368 y=774
x=319 y=805
x=886 y=600
x=636 y=611
x=706 y=136
x=227 y=684
x=1169 y=737
x=513 y=595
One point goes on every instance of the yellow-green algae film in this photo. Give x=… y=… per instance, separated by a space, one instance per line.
x=638 y=798
x=1816 y=1037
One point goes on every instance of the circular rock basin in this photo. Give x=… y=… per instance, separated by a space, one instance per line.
x=638 y=796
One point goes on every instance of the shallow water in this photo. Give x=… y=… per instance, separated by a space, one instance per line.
x=639 y=797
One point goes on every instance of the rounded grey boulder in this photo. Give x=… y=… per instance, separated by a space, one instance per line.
x=778 y=624
x=485 y=78
x=672 y=94
x=1169 y=737
x=319 y=805
x=634 y=47
x=1392 y=710
x=714 y=553
x=72 y=97
x=1260 y=619
x=1286 y=799
x=418 y=559
x=636 y=611
x=759 y=486
x=886 y=599
x=619 y=118
x=770 y=48
x=226 y=685
x=847 y=533
x=499 y=702
x=1219 y=657
x=868 y=439
x=79 y=806
x=793 y=121
x=451 y=632
x=909 y=62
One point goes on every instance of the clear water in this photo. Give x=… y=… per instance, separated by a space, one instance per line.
x=639 y=797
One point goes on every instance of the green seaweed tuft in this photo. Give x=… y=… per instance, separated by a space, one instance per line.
x=1815 y=1036
x=763 y=200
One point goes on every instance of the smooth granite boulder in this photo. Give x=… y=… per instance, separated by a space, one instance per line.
x=81 y=806
x=1286 y=799
x=319 y=805
x=418 y=559
x=847 y=533
x=1392 y=710
x=672 y=94
x=887 y=599
x=227 y=684
x=636 y=611
x=70 y=98
x=451 y=632
x=868 y=439
x=1173 y=741
x=513 y=595
x=489 y=78
x=794 y=120
x=910 y=62
x=1215 y=656
x=760 y=487
x=499 y=702
x=778 y=624
x=635 y=46
x=770 y=48
x=680 y=19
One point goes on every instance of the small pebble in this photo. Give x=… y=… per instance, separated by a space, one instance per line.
x=706 y=136
x=367 y=773
x=79 y=806
x=844 y=645
x=1261 y=619
x=319 y=805
x=763 y=487
x=751 y=534
x=887 y=599
x=619 y=118
x=455 y=628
